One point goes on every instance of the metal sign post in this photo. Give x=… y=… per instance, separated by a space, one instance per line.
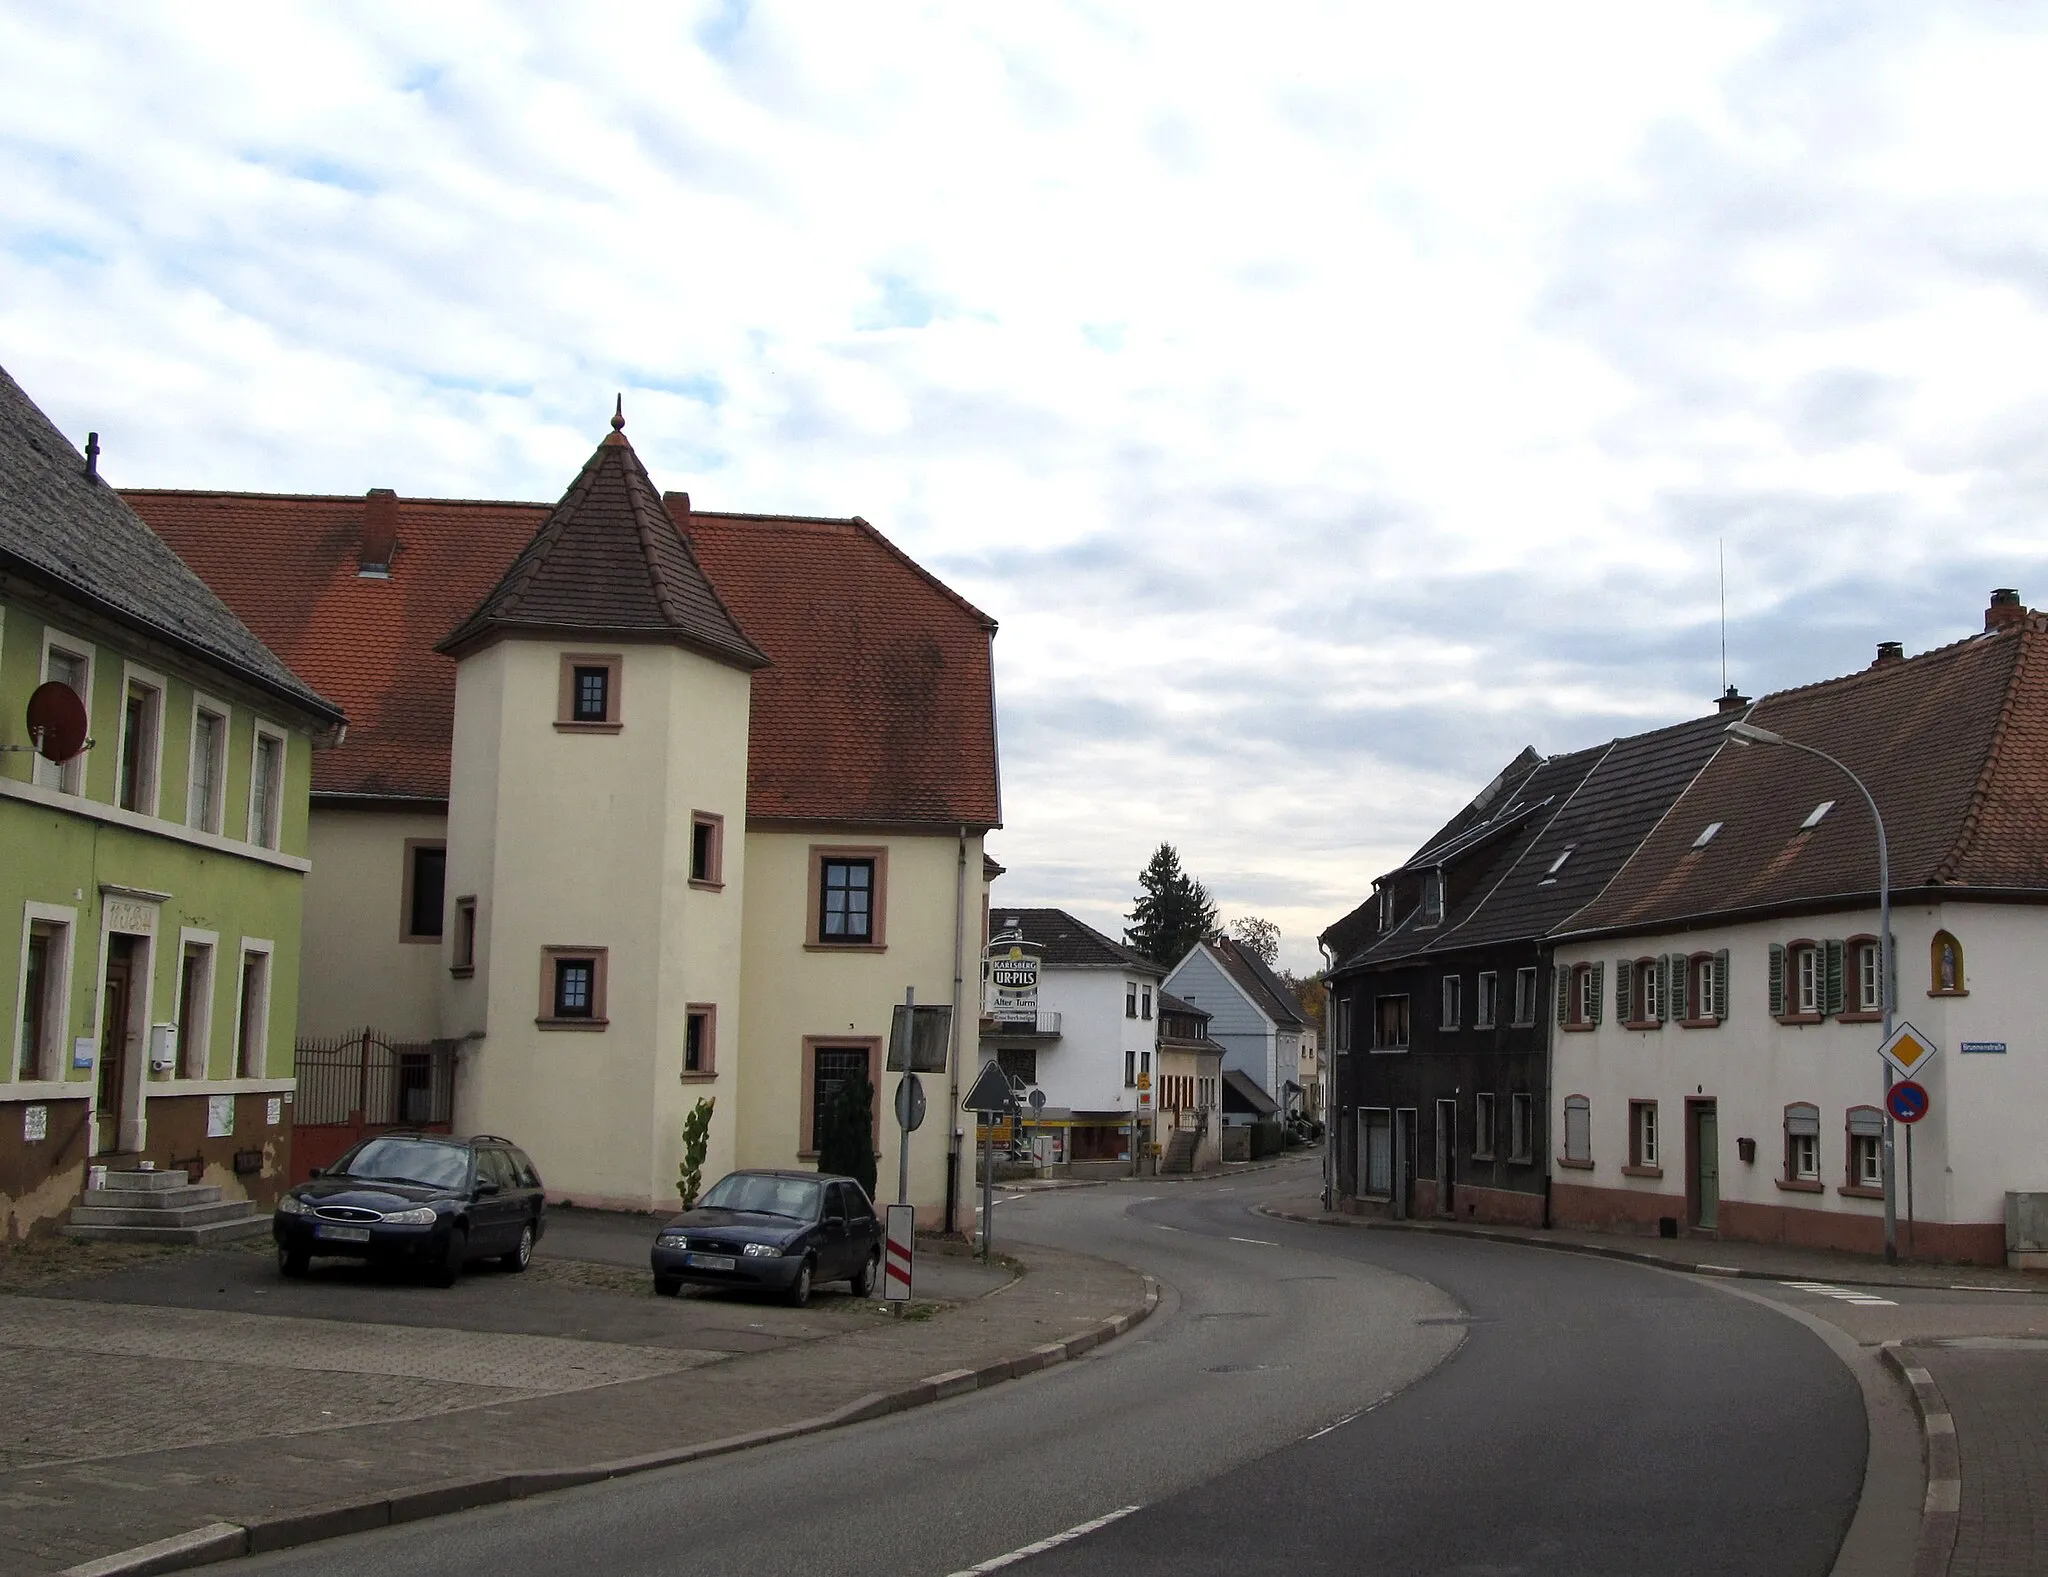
x=1906 y=1102
x=988 y=1100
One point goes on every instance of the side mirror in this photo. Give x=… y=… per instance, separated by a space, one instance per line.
x=486 y=1190
x=314 y=1173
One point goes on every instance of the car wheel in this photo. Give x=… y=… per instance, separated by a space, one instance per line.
x=800 y=1290
x=863 y=1284
x=292 y=1262
x=448 y=1269
x=667 y=1286
x=521 y=1256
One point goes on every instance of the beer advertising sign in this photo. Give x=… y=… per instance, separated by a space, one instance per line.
x=1013 y=981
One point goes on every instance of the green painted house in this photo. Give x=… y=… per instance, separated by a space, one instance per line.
x=150 y=886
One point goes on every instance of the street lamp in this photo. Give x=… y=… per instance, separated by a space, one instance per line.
x=1750 y=734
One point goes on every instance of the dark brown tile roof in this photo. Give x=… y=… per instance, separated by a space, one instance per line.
x=1069 y=943
x=76 y=535
x=1954 y=747
x=879 y=705
x=1566 y=829
x=608 y=561
x=1252 y=974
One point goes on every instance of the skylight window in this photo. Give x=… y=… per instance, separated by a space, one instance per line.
x=1819 y=812
x=1557 y=864
x=1707 y=836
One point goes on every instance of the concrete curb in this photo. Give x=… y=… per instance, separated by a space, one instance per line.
x=1942 y=1509
x=1631 y=1256
x=220 y=1541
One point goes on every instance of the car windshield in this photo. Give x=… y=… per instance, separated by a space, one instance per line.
x=795 y=1197
x=420 y=1161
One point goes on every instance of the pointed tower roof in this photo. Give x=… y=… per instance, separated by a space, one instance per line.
x=609 y=560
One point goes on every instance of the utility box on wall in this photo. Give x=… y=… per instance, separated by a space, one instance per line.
x=2026 y=1231
x=163 y=1047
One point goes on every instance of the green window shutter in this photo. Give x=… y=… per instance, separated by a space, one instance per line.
x=1777 y=980
x=1599 y=991
x=1836 y=979
x=1721 y=985
x=1664 y=1012
x=1563 y=976
x=1681 y=986
x=1624 y=990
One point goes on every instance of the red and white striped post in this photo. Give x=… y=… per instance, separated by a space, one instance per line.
x=899 y=1253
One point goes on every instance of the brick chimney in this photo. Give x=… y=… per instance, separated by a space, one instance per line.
x=2006 y=608
x=1889 y=652
x=1731 y=700
x=380 y=532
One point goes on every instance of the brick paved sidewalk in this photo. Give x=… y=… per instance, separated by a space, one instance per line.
x=1997 y=1390
x=1767 y=1261
x=63 y=1513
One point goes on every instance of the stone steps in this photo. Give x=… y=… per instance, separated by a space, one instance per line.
x=194 y=1236
x=162 y=1207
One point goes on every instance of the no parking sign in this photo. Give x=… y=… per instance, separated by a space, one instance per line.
x=1906 y=1101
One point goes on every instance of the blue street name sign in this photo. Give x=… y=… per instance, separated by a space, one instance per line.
x=1995 y=1048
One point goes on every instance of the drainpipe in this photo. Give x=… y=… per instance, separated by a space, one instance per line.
x=1329 y=1063
x=953 y=1062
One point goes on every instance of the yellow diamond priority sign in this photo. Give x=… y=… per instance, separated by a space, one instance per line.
x=1908 y=1050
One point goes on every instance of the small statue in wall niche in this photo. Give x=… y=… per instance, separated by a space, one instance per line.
x=1948 y=964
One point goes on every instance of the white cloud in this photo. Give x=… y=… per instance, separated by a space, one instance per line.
x=1326 y=407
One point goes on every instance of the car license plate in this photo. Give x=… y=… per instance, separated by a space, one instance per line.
x=710 y=1261
x=334 y=1234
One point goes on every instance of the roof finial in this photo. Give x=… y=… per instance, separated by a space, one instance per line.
x=619 y=415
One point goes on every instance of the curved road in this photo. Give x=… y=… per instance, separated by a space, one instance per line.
x=1309 y=1398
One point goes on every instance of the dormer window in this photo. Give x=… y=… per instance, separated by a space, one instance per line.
x=1432 y=897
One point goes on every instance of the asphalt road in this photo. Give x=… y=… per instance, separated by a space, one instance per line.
x=1307 y=1399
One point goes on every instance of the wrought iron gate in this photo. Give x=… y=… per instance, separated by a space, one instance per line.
x=359 y=1084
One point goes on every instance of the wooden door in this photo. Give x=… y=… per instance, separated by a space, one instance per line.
x=115 y=1036
x=1446 y=1157
x=1705 y=1165
x=1404 y=1162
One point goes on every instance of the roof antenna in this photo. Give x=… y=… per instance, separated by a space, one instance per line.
x=1721 y=546
x=619 y=415
x=92 y=455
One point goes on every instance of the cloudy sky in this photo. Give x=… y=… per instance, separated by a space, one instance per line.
x=1326 y=408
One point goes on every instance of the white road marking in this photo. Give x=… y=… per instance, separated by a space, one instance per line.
x=1842 y=1294
x=1339 y=1424
x=1963 y=1286
x=1078 y=1531
x=1262 y=1242
x=1164 y=1227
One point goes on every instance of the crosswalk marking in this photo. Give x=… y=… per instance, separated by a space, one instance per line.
x=1853 y=1295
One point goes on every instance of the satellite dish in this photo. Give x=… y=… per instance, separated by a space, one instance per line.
x=56 y=720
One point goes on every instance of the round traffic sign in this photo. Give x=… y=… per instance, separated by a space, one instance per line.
x=1906 y=1101
x=909 y=1102
x=1038 y=1100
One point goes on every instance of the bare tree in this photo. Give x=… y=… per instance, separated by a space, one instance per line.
x=1258 y=936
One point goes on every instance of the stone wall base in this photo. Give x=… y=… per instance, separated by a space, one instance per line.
x=1632 y=1210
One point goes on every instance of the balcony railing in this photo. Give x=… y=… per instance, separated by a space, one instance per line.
x=1047 y=1024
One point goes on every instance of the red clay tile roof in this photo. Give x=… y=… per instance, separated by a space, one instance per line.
x=879 y=706
x=608 y=561
x=1954 y=747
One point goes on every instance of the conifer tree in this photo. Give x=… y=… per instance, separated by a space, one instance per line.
x=1172 y=911
x=846 y=1147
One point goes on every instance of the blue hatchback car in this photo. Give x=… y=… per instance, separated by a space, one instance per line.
x=777 y=1232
